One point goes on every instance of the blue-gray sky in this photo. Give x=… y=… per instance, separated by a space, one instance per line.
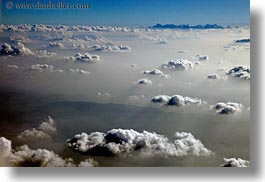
x=132 y=12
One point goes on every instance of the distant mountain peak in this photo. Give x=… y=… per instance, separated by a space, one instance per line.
x=187 y=26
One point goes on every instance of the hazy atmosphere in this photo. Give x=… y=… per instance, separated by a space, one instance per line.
x=165 y=91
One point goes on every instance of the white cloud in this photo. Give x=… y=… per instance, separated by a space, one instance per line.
x=85 y=58
x=88 y=163
x=44 y=67
x=56 y=45
x=5 y=147
x=160 y=99
x=155 y=72
x=103 y=94
x=213 y=76
x=235 y=162
x=110 y=48
x=23 y=156
x=240 y=72
x=44 y=131
x=12 y=66
x=44 y=54
x=197 y=63
x=26 y=157
x=125 y=142
x=80 y=71
x=180 y=64
x=227 y=108
x=18 y=49
x=33 y=134
x=48 y=126
x=203 y=57
x=145 y=81
x=41 y=67
x=176 y=100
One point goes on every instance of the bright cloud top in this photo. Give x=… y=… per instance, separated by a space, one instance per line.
x=155 y=72
x=23 y=156
x=227 y=108
x=144 y=81
x=235 y=162
x=180 y=64
x=86 y=58
x=240 y=72
x=125 y=142
x=44 y=67
x=16 y=50
x=176 y=100
x=44 y=131
x=110 y=48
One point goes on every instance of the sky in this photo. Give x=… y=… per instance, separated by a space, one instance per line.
x=131 y=12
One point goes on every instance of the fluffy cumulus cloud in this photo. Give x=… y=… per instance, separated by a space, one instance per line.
x=44 y=54
x=180 y=64
x=125 y=142
x=23 y=156
x=26 y=157
x=33 y=134
x=44 y=67
x=5 y=147
x=240 y=72
x=80 y=71
x=203 y=57
x=87 y=58
x=213 y=76
x=144 y=81
x=88 y=163
x=155 y=72
x=44 y=131
x=16 y=50
x=160 y=99
x=235 y=162
x=176 y=100
x=41 y=67
x=110 y=48
x=56 y=45
x=227 y=108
